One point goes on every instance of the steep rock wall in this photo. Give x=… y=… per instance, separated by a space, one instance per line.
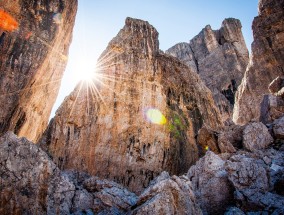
x=220 y=58
x=32 y=62
x=102 y=127
x=266 y=61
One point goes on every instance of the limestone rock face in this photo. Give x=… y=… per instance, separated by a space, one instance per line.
x=183 y=52
x=220 y=58
x=106 y=130
x=32 y=61
x=266 y=63
x=168 y=195
x=32 y=184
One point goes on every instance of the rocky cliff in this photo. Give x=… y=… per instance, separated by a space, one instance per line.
x=220 y=58
x=146 y=112
x=140 y=116
x=32 y=61
x=266 y=61
x=248 y=181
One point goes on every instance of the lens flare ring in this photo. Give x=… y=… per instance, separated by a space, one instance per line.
x=155 y=116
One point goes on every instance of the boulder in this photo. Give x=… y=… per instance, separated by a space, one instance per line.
x=256 y=136
x=168 y=195
x=271 y=108
x=257 y=178
x=245 y=172
x=278 y=128
x=32 y=184
x=207 y=139
x=217 y=141
x=275 y=87
x=210 y=184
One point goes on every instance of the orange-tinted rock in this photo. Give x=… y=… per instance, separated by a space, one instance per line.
x=32 y=61
x=266 y=63
x=110 y=135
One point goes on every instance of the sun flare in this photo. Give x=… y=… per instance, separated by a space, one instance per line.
x=85 y=71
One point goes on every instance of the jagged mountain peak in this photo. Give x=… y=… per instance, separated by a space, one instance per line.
x=220 y=58
x=136 y=36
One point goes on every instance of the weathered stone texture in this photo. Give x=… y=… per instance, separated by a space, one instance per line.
x=110 y=137
x=276 y=86
x=219 y=141
x=256 y=136
x=32 y=61
x=266 y=63
x=271 y=108
x=32 y=184
x=210 y=184
x=168 y=195
x=220 y=58
x=278 y=128
x=255 y=177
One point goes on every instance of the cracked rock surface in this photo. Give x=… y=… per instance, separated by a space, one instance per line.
x=114 y=137
x=32 y=184
x=220 y=58
x=266 y=62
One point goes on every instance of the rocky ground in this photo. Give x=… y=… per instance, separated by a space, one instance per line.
x=106 y=159
x=250 y=179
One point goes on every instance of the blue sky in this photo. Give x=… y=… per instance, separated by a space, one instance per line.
x=98 y=21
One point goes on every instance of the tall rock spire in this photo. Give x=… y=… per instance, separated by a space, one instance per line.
x=220 y=58
x=266 y=63
x=139 y=117
x=32 y=62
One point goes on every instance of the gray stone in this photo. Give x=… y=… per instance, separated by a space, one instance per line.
x=231 y=135
x=262 y=201
x=272 y=107
x=216 y=141
x=278 y=128
x=207 y=139
x=224 y=145
x=168 y=195
x=32 y=184
x=210 y=184
x=234 y=211
x=256 y=136
x=245 y=172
